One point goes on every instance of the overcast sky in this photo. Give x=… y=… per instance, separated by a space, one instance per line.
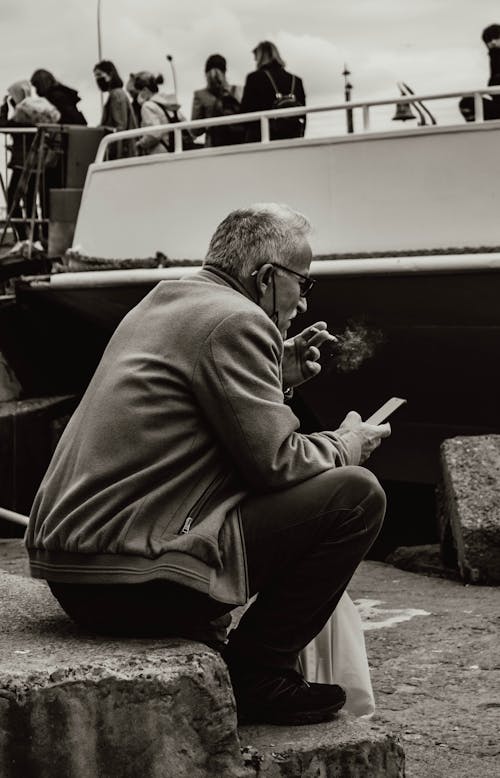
x=433 y=45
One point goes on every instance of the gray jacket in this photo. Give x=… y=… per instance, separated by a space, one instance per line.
x=183 y=419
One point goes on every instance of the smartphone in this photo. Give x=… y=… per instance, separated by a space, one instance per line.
x=385 y=410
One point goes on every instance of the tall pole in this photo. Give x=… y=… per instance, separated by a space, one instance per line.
x=347 y=94
x=99 y=38
x=174 y=75
x=99 y=44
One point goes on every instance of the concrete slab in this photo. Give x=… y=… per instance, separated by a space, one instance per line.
x=436 y=678
x=341 y=748
x=79 y=706
x=471 y=505
x=73 y=705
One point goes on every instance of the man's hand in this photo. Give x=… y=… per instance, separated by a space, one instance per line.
x=302 y=354
x=370 y=435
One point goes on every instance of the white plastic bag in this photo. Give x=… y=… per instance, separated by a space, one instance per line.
x=338 y=655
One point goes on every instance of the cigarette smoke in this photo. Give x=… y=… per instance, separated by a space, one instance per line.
x=355 y=344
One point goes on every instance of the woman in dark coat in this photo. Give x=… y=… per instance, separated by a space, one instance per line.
x=62 y=97
x=259 y=93
x=117 y=112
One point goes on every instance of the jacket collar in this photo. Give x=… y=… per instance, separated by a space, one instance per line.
x=215 y=274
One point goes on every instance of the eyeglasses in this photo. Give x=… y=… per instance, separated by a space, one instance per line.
x=305 y=283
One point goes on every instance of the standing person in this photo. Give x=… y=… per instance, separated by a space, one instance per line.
x=218 y=98
x=182 y=485
x=157 y=108
x=27 y=111
x=62 y=97
x=262 y=88
x=117 y=113
x=491 y=104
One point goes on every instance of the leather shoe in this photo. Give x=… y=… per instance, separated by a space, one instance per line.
x=284 y=697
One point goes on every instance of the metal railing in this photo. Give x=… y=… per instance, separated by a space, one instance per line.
x=4 y=160
x=265 y=116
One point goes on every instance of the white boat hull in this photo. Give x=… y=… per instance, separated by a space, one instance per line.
x=421 y=190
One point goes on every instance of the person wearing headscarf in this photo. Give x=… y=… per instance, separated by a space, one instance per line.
x=259 y=93
x=27 y=111
x=117 y=112
x=217 y=98
x=157 y=108
x=64 y=98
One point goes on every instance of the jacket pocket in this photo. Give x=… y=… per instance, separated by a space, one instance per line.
x=195 y=512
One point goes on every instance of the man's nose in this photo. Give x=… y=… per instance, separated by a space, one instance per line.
x=302 y=305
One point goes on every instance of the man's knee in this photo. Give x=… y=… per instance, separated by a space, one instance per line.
x=361 y=489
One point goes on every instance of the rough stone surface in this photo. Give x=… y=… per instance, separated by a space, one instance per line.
x=342 y=748
x=471 y=504
x=436 y=678
x=425 y=559
x=73 y=705
x=77 y=706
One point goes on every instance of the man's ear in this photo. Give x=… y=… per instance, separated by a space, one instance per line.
x=264 y=276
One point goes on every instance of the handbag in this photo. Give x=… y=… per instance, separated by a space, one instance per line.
x=338 y=655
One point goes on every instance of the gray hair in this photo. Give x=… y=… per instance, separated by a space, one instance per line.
x=250 y=237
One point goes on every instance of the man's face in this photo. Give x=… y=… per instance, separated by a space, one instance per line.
x=494 y=43
x=287 y=286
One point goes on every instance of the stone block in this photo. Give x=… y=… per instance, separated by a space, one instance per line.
x=76 y=706
x=343 y=748
x=426 y=559
x=471 y=505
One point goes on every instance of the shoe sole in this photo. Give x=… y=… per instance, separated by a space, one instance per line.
x=284 y=718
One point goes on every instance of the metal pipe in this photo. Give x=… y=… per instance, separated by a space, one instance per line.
x=16 y=518
x=174 y=75
x=99 y=45
x=369 y=266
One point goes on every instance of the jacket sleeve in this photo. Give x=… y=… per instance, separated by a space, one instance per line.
x=118 y=109
x=197 y=112
x=250 y=98
x=251 y=101
x=237 y=383
x=151 y=116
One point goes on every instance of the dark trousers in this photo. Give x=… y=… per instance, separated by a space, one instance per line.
x=303 y=544
x=491 y=108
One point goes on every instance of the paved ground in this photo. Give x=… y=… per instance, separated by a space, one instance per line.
x=436 y=677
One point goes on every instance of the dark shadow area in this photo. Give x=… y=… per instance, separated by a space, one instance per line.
x=410 y=518
x=10 y=530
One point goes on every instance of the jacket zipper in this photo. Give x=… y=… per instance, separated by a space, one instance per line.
x=200 y=503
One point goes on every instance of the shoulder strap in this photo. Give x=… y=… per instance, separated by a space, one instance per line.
x=271 y=79
x=171 y=115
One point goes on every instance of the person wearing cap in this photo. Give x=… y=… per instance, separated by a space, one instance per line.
x=218 y=98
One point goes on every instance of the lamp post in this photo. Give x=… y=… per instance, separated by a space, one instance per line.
x=99 y=46
x=347 y=94
x=174 y=75
x=99 y=39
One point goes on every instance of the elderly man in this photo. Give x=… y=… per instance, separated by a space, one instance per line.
x=182 y=485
